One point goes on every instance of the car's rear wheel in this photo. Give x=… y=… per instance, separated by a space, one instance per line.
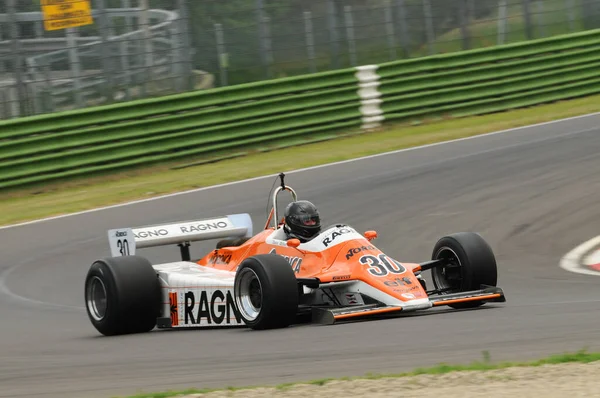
x=470 y=263
x=122 y=295
x=266 y=292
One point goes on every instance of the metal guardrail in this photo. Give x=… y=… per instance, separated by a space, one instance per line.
x=73 y=72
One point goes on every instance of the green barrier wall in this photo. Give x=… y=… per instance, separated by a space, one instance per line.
x=484 y=81
x=223 y=122
x=203 y=124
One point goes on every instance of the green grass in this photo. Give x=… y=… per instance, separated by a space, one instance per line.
x=484 y=365
x=82 y=194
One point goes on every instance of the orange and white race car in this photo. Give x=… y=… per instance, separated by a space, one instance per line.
x=266 y=280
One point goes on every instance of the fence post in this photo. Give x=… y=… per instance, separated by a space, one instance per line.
x=21 y=91
x=502 y=12
x=185 y=49
x=75 y=64
x=222 y=55
x=540 y=19
x=350 y=34
x=389 y=28
x=2 y=60
x=333 y=36
x=464 y=21
x=262 y=37
x=429 y=25
x=527 y=16
x=571 y=14
x=128 y=18
x=105 y=50
x=146 y=40
x=310 y=41
x=403 y=22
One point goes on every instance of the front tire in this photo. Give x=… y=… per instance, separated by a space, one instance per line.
x=266 y=292
x=471 y=263
x=122 y=295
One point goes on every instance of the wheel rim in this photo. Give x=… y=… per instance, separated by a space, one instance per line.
x=448 y=277
x=97 y=298
x=249 y=294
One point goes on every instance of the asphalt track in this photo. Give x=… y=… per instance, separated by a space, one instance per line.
x=532 y=193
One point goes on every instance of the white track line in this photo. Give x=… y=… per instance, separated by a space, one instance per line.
x=572 y=261
x=301 y=170
x=4 y=289
x=592 y=259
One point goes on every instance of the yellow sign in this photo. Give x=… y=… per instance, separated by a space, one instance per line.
x=63 y=14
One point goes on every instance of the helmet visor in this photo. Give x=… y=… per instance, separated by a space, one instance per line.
x=308 y=220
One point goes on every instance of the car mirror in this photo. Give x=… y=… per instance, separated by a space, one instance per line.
x=293 y=242
x=370 y=235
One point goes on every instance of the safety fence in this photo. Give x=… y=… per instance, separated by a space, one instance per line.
x=91 y=66
x=224 y=122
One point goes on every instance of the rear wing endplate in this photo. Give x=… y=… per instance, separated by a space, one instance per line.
x=125 y=241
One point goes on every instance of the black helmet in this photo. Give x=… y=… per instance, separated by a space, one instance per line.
x=302 y=220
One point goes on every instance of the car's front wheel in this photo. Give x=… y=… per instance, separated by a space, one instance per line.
x=266 y=292
x=469 y=263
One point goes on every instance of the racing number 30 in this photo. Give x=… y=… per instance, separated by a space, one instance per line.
x=382 y=265
x=123 y=246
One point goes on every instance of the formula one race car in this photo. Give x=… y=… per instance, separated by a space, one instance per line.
x=267 y=281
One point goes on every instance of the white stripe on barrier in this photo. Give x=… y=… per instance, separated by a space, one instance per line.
x=370 y=96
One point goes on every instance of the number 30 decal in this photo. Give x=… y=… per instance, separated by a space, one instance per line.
x=382 y=265
x=123 y=246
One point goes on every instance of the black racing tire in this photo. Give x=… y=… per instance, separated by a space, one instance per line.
x=122 y=295
x=471 y=264
x=266 y=292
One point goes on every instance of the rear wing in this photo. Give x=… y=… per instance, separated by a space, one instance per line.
x=125 y=241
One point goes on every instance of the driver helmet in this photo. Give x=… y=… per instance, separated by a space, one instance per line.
x=302 y=220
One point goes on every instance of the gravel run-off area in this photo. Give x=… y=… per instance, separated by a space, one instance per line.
x=549 y=381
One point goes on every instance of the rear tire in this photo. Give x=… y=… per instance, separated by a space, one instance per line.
x=266 y=292
x=122 y=295
x=471 y=264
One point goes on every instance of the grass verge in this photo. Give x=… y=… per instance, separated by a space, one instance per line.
x=484 y=365
x=67 y=197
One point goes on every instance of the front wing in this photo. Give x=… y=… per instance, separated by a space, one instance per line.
x=327 y=316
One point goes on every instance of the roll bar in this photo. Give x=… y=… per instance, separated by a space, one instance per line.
x=274 y=216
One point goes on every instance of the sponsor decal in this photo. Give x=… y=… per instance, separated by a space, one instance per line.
x=219 y=259
x=215 y=306
x=339 y=232
x=174 y=308
x=356 y=250
x=415 y=287
x=295 y=262
x=120 y=234
x=181 y=229
x=204 y=227
x=151 y=233
x=341 y=277
x=408 y=295
x=399 y=282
